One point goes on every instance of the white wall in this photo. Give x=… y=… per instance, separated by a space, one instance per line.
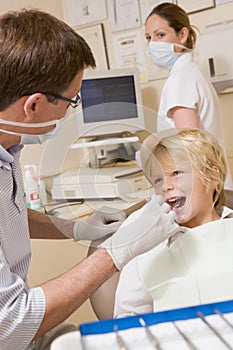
x=52 y=6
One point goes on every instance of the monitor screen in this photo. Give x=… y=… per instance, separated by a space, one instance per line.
x=111 y=103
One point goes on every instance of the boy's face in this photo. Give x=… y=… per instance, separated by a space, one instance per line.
x=184 y=191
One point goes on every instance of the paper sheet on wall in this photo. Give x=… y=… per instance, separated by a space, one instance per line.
x=80 y=12
x=123 y=14
x=129 y=52
x=95 y=38
x=191 y=6
x=146 y=6
x=221 y=2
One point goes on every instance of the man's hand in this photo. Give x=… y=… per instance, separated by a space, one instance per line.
x=103 y=222
x=151 y=225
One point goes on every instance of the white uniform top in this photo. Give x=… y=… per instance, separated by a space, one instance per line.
x=187 y=87
x=196 y=268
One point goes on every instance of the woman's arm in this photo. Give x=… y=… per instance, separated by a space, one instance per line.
x=184 y=117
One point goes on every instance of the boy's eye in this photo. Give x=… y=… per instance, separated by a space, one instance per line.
x=148 y=38
x=158 y=181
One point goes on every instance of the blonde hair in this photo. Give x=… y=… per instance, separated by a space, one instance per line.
x=196 y=146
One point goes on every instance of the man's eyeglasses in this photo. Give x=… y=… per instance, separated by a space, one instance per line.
x=73 y=103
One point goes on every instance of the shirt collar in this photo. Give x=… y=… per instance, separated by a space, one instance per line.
x=183 y=59
x=7 y=156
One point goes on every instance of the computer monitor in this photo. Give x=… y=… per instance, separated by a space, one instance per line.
x=111 y=103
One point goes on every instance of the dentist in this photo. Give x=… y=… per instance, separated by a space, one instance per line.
x=42 y=64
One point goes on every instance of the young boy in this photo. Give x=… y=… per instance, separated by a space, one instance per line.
x=188 y=169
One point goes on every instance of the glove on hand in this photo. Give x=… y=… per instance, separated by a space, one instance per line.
x=103 y=222
x=153 y=224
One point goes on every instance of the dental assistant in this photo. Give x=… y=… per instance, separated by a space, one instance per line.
x=188 y=99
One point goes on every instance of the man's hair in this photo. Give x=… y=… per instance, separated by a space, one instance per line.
x=192 y=147
x=38 y=52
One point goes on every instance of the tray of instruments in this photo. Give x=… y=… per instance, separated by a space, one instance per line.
x=208 y=326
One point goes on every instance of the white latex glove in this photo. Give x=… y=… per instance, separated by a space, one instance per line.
x=154 y=224
x=103 y=222
x=138 y=159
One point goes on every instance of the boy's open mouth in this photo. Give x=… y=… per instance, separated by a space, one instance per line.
x=176 y=202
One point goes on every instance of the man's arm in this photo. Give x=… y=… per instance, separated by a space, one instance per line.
x=67 y=292
x=48 y=227
x=101 y=223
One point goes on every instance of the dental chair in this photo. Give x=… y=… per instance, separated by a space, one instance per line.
x=229 y=197
x=102 y=301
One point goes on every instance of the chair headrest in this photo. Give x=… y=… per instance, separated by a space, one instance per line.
x=229 y=196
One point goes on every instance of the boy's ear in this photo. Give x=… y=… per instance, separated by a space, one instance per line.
x=215 y=181
x=30 y=105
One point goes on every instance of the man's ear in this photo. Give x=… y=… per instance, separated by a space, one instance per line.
x=31 y=103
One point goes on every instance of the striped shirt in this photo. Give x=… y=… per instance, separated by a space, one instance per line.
x=21 y=308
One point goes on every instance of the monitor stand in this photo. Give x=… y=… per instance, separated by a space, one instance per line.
x=105 y=142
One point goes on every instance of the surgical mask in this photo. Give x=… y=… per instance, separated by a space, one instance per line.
x=163 y=55
x=26 y=125
x=39 y=139
x=56 y=122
